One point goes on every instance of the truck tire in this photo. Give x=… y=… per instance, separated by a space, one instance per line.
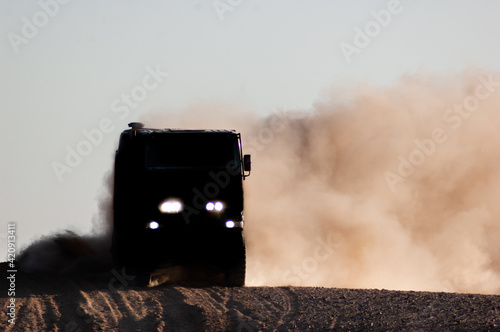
x=235 y=274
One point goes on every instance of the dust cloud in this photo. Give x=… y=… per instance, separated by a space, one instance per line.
x=70 y=253
x=395 y=188
x=392 y=187
x=387 y=188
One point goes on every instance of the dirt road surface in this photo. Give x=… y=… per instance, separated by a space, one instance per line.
x=105 y=302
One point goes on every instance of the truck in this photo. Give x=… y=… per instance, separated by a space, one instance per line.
x=178 y=200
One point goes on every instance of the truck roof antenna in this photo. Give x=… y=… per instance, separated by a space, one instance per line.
x=136 y=125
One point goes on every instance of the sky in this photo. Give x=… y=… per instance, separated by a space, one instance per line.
x=74 y=73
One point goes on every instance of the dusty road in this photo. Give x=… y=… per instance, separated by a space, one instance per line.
x=104 y=301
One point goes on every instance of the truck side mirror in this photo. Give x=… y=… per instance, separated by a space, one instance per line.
x=247 y=164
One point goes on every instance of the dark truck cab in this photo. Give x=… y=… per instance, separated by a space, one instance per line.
x=178 y=200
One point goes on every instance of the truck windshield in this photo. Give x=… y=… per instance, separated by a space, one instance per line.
x=191 y=152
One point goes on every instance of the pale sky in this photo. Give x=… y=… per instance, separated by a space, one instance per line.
x=64 y=65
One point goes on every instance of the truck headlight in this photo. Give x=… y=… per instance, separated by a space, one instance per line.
x=234 y=224
x=214 y=206
x=153 y=225
x=171 y=206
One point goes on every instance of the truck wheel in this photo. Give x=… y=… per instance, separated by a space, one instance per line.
x=235 y=274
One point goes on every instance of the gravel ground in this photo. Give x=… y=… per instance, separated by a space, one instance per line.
x=104 y=302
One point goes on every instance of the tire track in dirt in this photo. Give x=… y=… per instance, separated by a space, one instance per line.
x=28 y=311
x=38 y=312
x=51 y=312
x=261 y=310
x=208 y=304
x=179 y=314
x=134 y=304
x=137 y=309
x=103 y=313
x=88 y=303
x=243 y=309
x=291 y=306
